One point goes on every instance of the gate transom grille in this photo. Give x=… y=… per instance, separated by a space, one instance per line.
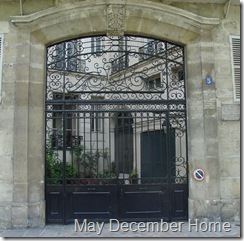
x=115 y=130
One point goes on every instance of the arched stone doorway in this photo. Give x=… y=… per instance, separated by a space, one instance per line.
x=86 y=19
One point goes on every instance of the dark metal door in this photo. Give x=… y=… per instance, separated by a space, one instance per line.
x=116 y=143
x=154 y=154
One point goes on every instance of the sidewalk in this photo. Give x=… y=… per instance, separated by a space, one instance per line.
x=69 y=231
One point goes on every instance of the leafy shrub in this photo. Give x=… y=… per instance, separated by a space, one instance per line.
x=54 y=167
x=88 y=159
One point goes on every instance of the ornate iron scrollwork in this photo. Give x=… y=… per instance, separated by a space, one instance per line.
x=94 y=84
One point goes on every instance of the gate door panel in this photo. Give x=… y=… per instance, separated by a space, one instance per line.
x=91 y=202
x=116 y=142
x=144 y=202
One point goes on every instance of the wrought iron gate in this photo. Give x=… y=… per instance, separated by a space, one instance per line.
x=116 y=143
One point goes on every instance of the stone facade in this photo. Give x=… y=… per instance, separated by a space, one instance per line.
x=213 y=134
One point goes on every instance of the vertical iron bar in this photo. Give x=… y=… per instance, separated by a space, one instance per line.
x=109 y=143
x=185 y=116
x=161 y=143
x=116 y=144
x=141 y=113
x=129 y=143
x=103 y=118
x=64 y=161
x=64 y=146
x=148 y=144
x=98 y=119
x=167 y=133
x=84 y=137
x=91 y=135
x=123 y=144
x=135 y=143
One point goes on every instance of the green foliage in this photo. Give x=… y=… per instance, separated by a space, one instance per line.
x=85 y=159
x=133 y=174
x=88 y=159
x=108 y=174
x=51 y=156
x=54 y=168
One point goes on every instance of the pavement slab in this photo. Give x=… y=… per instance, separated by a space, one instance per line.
x=69 y=231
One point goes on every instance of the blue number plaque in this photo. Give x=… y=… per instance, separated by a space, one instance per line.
x=209 y=80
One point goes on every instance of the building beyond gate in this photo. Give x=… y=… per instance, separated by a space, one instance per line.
x=122 y=101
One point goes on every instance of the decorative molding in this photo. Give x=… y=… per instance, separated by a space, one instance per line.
x=115 y=20
x=112 y=10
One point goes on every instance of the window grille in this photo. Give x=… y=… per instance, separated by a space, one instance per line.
x=154 y=82
x=235 y=62
x=65 y=57
x=96 y=45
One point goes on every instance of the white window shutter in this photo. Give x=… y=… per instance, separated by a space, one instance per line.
x=236 y=68
x=1 y=64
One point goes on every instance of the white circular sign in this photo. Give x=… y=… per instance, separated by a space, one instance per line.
x=199 y=174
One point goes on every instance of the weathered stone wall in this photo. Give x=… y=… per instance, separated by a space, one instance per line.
x=228 y=127
x=213 y=143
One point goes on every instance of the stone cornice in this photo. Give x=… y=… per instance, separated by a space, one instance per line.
x=163 y=9
x=182 y=13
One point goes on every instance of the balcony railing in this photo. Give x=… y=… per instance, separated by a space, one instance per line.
x=150 y=49
x=120 y=63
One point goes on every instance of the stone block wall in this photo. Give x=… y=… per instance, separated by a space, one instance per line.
x=213 y=142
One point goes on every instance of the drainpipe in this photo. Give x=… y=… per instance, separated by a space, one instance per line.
x=227 y=8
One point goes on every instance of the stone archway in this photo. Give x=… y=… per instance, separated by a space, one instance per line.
x=67 y=21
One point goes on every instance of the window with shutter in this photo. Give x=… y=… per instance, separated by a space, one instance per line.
x=235 y=57
x=1 y=64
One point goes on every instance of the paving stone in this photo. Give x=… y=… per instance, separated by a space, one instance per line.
x=14 y=233
x=33 y=232
x=59 y=231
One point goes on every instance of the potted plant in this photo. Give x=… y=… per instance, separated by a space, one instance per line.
x=133 y=176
